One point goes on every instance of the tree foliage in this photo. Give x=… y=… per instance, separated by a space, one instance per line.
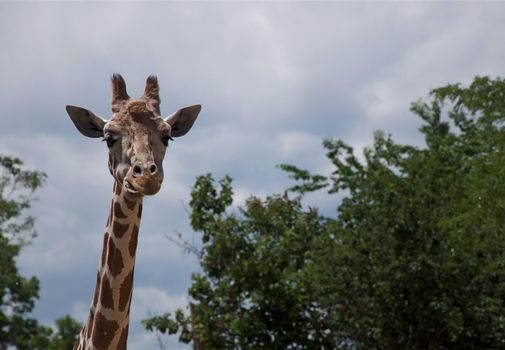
x=17 y=293
x=66 y=334
x=413 y=259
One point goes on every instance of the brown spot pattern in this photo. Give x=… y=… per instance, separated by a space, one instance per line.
x=121 y=345
x=132 y=244
x=115 y=259
x=106 y=298
x=144 y=115
x=105 y=249
x=97 y=288
x=104 y=331
x=89 y=325
x=118 y=229
x=130 y=204
x=139 y=213
x=138 y=111
x=118 y=213
x=117 y=188
x=125 y=291
x=109 y=218
x=109 y=164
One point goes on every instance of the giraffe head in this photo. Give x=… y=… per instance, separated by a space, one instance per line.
x=136 y=135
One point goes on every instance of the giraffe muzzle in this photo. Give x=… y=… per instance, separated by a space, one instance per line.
x=143 y=185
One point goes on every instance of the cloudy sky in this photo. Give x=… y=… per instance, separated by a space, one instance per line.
x=274 y=79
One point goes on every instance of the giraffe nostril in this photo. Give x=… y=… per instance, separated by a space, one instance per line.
x=137 y=171
x=153 y=168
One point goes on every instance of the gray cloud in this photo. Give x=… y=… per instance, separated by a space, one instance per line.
x=274 y=80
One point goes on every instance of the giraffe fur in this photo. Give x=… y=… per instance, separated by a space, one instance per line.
x=137 y=138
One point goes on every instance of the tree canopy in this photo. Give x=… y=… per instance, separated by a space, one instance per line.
x=18 y=294
x=412 y=259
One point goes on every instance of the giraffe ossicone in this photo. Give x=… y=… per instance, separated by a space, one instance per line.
x=137 y=138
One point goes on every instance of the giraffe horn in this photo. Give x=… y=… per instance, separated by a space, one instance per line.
x=152 y=90
x=119 y=93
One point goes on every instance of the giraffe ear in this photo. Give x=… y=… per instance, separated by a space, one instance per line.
x=182 y=120
x=86 y=121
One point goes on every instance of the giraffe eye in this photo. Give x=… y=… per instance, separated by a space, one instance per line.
x=165 y=139
x=110 y=139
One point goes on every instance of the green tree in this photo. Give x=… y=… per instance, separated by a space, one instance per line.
x=66 y=334
x=413 y=259
x=17 y=293
x=419 y=259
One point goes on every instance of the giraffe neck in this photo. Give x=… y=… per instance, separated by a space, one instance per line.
x=107 y=325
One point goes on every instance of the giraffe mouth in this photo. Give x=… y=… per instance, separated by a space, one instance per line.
x=141 y=186
x=130 y=188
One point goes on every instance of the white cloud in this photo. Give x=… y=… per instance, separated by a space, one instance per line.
x=292 y=144
x=81 y=311
x=149 y=341
x=274 y=80
x=150 y=299
x=379 y=101
x=454 y=51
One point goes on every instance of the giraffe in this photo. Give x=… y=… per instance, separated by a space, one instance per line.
x=137 y=138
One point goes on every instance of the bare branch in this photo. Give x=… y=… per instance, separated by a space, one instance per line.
x=185 y=245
